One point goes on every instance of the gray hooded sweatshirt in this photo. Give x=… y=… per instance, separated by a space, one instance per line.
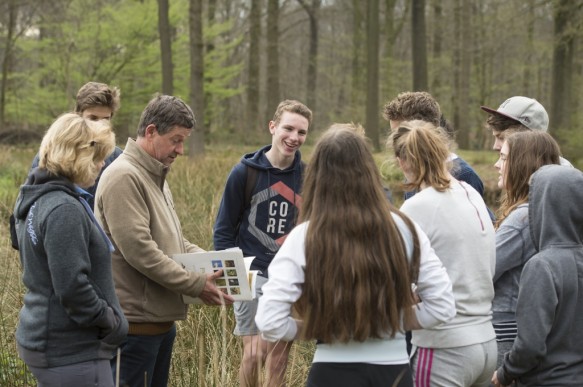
x=549 y=348
x=71 y=313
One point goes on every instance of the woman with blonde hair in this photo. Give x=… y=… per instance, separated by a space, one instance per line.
x=71 y=322
x=348 y=268
x=522 y=154
x=461 y=352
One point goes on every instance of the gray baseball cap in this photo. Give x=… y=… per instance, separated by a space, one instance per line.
x=528 y=111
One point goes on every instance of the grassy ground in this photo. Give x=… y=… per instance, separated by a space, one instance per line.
x=206 y=352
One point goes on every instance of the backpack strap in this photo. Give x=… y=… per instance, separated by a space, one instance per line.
x=250 y=182
x=249 y=185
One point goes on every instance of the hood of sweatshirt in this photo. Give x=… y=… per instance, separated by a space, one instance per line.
x=554 y=211
x=38 y=183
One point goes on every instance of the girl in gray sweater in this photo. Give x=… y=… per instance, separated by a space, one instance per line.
x=521 y=155
x=549 y=311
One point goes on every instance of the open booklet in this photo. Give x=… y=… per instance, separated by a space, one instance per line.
x=238 y=280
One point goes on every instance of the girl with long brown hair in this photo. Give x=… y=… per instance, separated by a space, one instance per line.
x=522 y=154
x=348 y=269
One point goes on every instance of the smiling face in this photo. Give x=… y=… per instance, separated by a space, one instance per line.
x=288 y=135
x=164 y=147
x=501 y=165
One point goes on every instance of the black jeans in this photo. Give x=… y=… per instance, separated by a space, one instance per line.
x=359 y=375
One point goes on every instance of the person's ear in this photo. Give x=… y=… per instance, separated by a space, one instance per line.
x=272 y=126
x=150 y=130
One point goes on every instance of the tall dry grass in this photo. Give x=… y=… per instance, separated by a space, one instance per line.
x=206 y=353
x=13 y=169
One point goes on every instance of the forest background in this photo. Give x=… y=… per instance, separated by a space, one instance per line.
x=234 y=60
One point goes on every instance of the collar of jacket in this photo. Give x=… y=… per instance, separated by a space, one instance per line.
x=155 y=169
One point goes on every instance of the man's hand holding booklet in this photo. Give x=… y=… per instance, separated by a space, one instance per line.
x=237 y=280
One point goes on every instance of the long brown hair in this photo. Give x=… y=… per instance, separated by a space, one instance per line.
x=425 y=150
x=357 y=276
x=527 y=152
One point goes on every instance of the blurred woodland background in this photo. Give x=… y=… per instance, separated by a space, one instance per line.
x=234 y=60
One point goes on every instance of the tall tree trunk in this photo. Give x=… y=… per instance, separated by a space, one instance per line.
x=313 y=11
x=456 y=63
x=272 y=93
x=419 y=43
x=484 y=64
x=165 y=47
x=393 y=28
x=211 y=17
x=208 y=79
x=7 y=58
x=196 y=139
x=357 y=46
x=252 y=121
x=527 y=78
x=563 y=57
x=461 y=70
x=437 y=47
x=372 y=78
x=466 y=59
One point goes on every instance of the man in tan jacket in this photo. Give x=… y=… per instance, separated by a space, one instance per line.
x=135 y=207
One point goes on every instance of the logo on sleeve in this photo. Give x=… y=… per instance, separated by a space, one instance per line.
x=30 y=227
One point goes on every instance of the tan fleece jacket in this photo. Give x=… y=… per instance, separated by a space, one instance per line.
x=135 y=208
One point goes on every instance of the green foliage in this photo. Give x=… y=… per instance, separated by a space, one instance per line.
x=109 y=41
x=115 y=42
x=70 y=42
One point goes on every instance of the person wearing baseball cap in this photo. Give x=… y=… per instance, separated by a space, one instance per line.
x=517 y=114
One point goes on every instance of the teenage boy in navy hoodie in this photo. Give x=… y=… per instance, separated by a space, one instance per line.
x=257 y=211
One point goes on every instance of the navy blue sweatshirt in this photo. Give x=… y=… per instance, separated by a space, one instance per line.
x=259 y=228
